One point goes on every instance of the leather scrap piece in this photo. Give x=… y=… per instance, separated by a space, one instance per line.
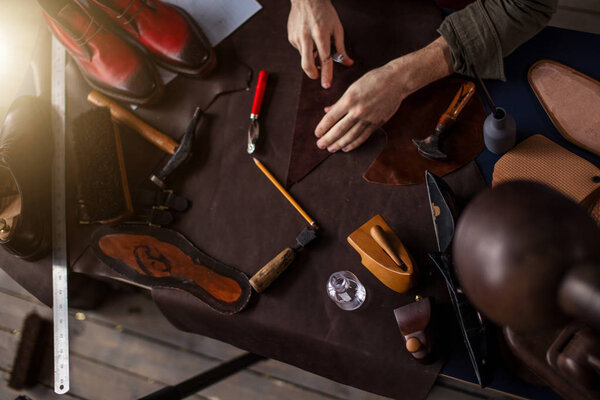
x=159 y=257
x=305 y=155
x=400 y=163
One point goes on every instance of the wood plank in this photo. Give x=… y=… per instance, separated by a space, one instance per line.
x=14 y=310
x=36 y=392
x=8 y=348
x=9 y=285
x=131 y=354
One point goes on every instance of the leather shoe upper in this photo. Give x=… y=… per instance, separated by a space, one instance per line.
x=168 y=32
x=108 y=63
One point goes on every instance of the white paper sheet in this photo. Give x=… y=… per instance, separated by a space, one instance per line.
x=219 y=18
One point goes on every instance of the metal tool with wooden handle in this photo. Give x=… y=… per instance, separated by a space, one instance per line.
x=157 y=138
x=267 y=274
x=430 y=146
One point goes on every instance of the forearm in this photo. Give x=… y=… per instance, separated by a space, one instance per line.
x=418 y=69
x=485 y=32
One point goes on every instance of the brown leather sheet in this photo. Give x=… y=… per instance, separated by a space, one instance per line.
x=239 y=218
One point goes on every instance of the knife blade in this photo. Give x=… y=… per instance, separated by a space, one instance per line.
x=254 y=129
x=442 y=208
x=472 y=325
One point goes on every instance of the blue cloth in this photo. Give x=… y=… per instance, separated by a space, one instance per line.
x=577 y=50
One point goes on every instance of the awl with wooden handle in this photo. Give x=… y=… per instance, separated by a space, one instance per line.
x=267 y=274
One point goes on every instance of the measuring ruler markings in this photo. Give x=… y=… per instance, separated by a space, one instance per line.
x=59 y=226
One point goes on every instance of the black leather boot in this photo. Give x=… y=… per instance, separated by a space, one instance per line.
x=25 y=181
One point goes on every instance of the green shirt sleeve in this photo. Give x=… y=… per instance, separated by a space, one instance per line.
x=484 y=33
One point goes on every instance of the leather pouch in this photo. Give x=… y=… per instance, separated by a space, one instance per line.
x=541 y=160
x=571 y=100
x=158 y=257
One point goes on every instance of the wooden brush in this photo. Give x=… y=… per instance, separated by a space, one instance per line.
x=103 y=191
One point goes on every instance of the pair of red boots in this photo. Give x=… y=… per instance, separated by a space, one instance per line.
x=106 y=37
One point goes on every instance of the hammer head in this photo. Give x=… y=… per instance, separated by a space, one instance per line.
x=429 y=147
x=182 y=152
x=305 y=237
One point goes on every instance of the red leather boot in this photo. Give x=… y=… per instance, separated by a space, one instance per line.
x=168 y=32
x=108 y=63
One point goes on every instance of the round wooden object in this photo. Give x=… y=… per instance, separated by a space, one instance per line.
x=413 y=345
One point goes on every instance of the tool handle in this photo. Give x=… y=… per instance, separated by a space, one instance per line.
x=267 y=274
x=157 y=138
x=459 y=102
x=378 y=234
x=259 y=93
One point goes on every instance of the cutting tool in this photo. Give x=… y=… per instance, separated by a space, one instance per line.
x=254 y=129
x=472 y=325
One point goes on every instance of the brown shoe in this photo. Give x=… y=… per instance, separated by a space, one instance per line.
x=25 y=165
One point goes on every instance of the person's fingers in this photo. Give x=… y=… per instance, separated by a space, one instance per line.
x=308 y=61
x=327 y=108
x=359 y=140
x=338 y=37
x=334 y=134
x=331 y=118
x=351 y=135
x=323 y=43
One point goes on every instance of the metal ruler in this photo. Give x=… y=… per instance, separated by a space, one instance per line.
x=59 y=225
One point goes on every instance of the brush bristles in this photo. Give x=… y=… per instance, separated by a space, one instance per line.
x=102 y=183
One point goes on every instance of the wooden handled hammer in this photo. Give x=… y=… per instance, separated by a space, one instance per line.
x=180 y=152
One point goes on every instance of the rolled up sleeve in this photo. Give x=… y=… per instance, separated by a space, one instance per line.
x=483 y=33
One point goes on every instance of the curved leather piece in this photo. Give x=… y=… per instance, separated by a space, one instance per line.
x=159 y=257
x=399 y=163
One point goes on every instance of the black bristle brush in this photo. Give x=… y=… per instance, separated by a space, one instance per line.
x=103 y=191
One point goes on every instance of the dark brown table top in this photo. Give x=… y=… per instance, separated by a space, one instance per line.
x=238 y=217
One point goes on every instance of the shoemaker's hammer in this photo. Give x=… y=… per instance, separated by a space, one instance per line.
x=180 y=151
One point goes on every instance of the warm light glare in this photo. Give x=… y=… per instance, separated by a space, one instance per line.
x=6 y=58
x=20 y=22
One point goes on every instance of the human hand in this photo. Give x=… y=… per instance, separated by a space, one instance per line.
x=314 y=23
x=365 y=106
x=373 y=99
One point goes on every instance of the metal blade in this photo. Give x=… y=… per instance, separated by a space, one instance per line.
x=253 y=133
x=441 y=203
x=471 y=323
